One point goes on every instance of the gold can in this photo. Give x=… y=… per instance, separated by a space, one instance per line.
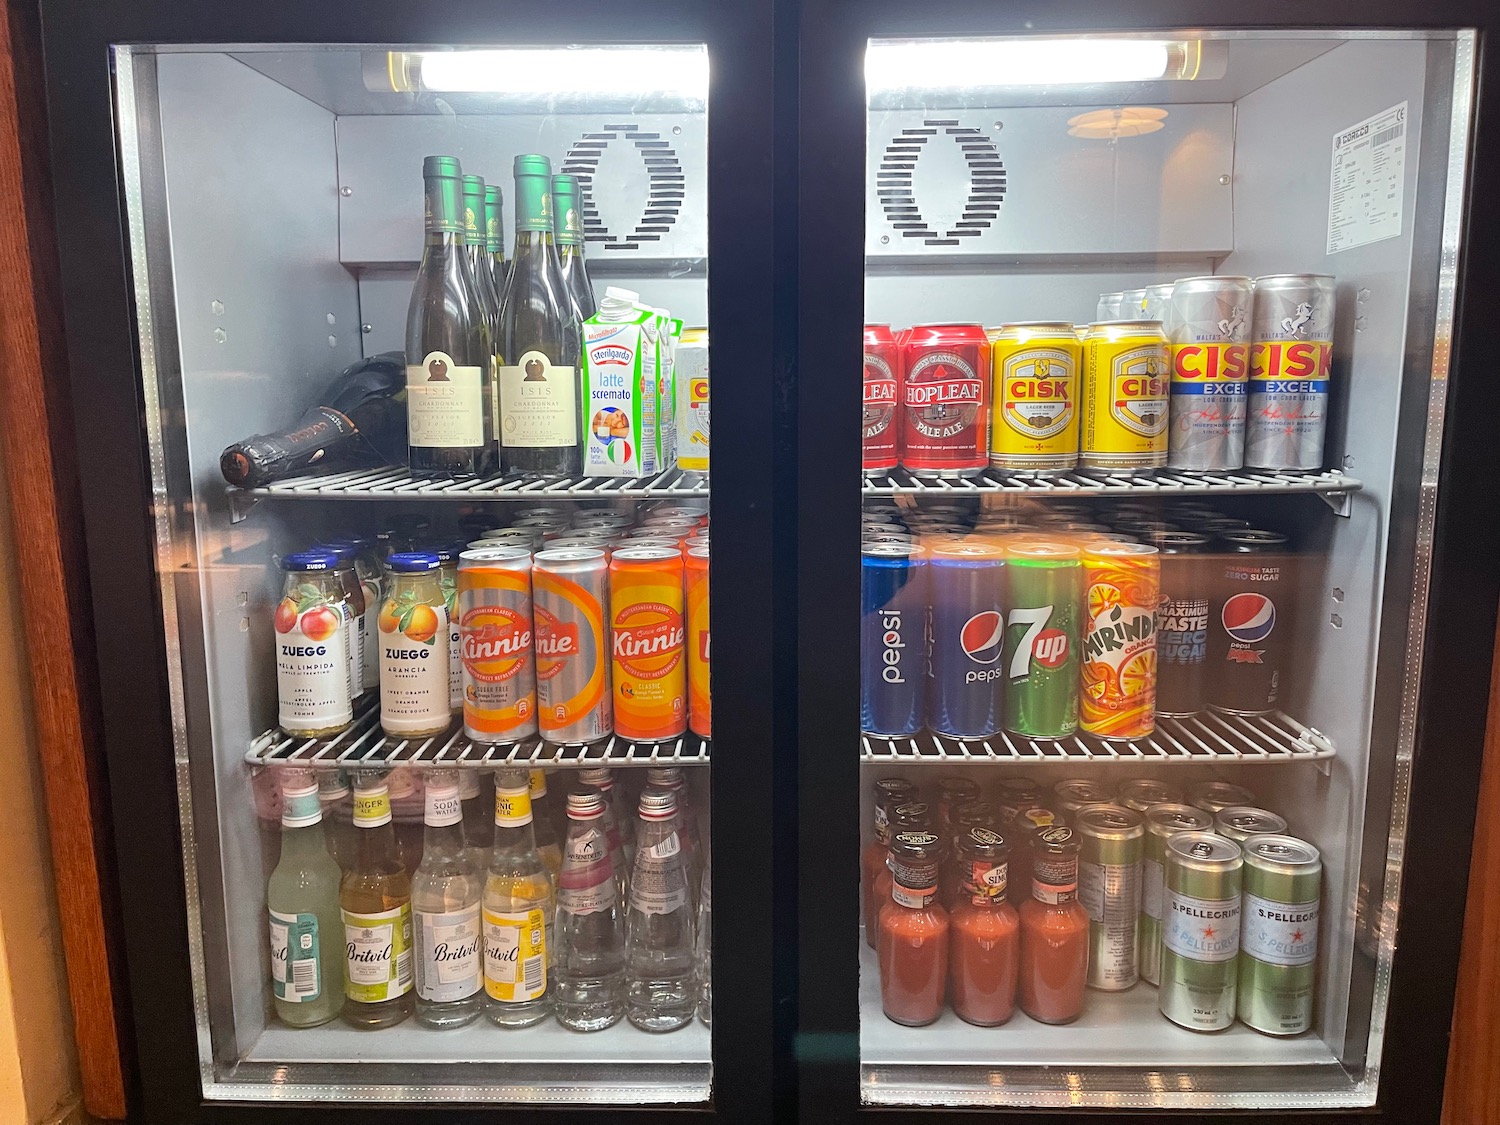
x=1126 y=379
x=1035 y=368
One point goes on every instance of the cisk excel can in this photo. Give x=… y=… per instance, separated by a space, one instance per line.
x=1279 y=934
x=1124 y=428
x=1035 y=370
x=1291 y=357
x=1200 y=931
x=570 y=593
x=1209 y=329
x=495 y=627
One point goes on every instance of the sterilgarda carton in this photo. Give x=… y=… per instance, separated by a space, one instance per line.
x=666 y=402
x=621 y=384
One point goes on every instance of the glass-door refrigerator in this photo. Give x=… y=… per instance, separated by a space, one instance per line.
x=392 y=333
x=1155 y=585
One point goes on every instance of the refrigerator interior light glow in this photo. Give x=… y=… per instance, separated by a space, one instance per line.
x=681 y=71
x=963 y=63
x=1121 y=121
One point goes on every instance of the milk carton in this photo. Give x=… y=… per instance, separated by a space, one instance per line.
x=666 y=400
x=690 y=369
x=621 y=387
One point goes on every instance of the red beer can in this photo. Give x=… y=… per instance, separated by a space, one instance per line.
x=945 y=400
x=882 y=386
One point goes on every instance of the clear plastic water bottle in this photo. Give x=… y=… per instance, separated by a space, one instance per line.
x=602 y=779
x=705 y=948
x=661 y=984
x=588 y=961
x=673 y=779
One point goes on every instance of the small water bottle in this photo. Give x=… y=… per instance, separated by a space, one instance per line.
x=661 y=985
x=588 y=986
x=705 y=948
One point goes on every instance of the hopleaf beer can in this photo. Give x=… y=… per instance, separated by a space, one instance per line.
x=570 y=591
x=495 y=638
x=1279 y=934
x=1291 y=357
x=1035 y=368
x=1124 y=426
x=1163 y=821
x=1209 y=330
x=1109 y=886
x=880 y=425
x=945 y=400
x=1200 y=931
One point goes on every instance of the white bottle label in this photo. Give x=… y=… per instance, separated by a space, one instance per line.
x=586 y=884
x=1201 y=929
x=414 y=671
x=377 y=955
x=312 y=666
x=1280 y=933
x=354 y=648
x=515 y=954
x=448 y=964
x=444 y=403
x=538 y=404
x=658 y=884
x=296 y=971
x=1153 y=883
x=370 y=635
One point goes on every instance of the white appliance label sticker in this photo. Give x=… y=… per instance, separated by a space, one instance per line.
x=1367 y=184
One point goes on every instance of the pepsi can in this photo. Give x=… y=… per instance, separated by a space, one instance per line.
x=966 y=631
x=1248 y=621
x=892 y=638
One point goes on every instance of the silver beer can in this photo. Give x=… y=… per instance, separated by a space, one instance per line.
x=1208 y=330
x=1108 y=307
x=1291 y=356
x=1132 y=305
x=570 y=597
x=1156 y=301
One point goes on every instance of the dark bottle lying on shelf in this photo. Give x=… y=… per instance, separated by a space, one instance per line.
x=360 y=421
x=537 y=391
x=567 y=222
x=448 y=377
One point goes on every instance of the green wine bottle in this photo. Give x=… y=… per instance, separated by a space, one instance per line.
x=494 y=239
x=448 y=375
x=476 y=249
x=537 y=391
x=567 y=219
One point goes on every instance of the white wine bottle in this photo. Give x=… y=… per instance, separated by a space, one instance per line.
x=476 y=250
x=567 y=219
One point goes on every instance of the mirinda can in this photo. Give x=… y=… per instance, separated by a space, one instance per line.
x=647 y=636
x=1122 y=583
x=495 y=639
x=570 y=590
x=1125 y=388
x=945 y=401
x=1035 y=427
x=699 y=705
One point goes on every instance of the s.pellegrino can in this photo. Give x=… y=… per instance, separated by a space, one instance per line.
x=1208 y=329
x=966 y=639
x=570 y=601
x=1043 y=599
x=1291 y=362
x=1109 y=886
x=882 y=390
x=1163 y=821
x=1279 y=934
x=1240 y=822
x=1145 y=793
x=1200 y=931
x=1181 y=622
x=1248 y=623
x=892 y=638
x=1215 y=796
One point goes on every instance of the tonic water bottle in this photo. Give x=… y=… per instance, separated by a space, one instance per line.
x=445 y=895
x=660 y=993
x=303 y=903
x=588 y=963
x=518 y=909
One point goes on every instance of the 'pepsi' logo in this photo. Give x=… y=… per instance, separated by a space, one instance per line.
x=1249 y=618
x=983 y=637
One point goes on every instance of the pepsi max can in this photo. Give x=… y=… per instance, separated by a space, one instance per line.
x=1249 y=625
x=966 y=639
x=892 y=638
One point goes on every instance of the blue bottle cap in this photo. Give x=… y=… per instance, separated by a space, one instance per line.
x=412 y=562
x=315 y=559
x=338 y=549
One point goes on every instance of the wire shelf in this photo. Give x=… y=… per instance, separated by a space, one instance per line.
x=364 y=746
x=1206 y=738
x=391 y=483
x=1079 y=483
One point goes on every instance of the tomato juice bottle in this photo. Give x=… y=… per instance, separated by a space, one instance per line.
x=889 y=792
x=913 y=942
x=985 y=947
x=914 y=816
x=1054 y=931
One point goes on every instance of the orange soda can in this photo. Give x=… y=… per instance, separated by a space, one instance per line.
x=495 y=640
x=646 y=643
x=1122 y=584
x=700 y=708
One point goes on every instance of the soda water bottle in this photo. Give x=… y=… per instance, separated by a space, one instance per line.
x=588 y=961
x=303 y=901
x=601 y=780
x=445 y=894
x=660 y=990
x=705 y=950
x=518 y=909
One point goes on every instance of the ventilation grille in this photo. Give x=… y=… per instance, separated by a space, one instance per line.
x=986 y=182
x=666 y=185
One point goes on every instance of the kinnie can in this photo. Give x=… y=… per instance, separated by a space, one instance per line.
x=1209 y=329
x=1163 y=821
x=1291 y=360
x=1035 y=426
x=1200 y=931
x=966 y=639
x=1043 y=599
x=495 y=633
x=700 y=710
x=1109 y=886
x=945 y=401
x=1181 y=622
x=1240 y=822
x=892 y=638
x=1248 y=626
x=1125 y=381
x=570 y=604
x=1279 y=934
x=879 y=446
x=1122 y=588
x=647 y=634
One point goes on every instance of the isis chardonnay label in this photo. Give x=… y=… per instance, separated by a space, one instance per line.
x=538 y=404
x=444 y=403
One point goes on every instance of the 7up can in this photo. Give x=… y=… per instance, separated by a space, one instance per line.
x=1200 y=931
x=1279 y=934
x=1125 y=381
x=1044 y=603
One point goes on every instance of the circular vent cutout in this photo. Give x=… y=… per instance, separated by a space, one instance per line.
x=665 y=185
x=896 y=190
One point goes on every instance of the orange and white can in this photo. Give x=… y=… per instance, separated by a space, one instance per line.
x=1122 y=588
x=495 y=640
x=700 y=710
x=647 y=660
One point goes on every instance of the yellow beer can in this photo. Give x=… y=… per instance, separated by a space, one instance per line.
x=1035 y=370
x=1126 y=380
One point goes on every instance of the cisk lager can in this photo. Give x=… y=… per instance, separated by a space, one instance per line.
x=882 y=387
x=570 y=590
x=1279 y=934
x=1125 y=365
x=495 y=639
x=945 y=401
x=1209 y=329
x=1291 y=358
x=1035 y=426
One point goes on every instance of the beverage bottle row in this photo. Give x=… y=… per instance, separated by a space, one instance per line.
x=505 y=934
x=1030 y=899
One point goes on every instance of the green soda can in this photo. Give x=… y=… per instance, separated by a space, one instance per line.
x=1162 y=823
x=1109 y=886
x=1074 y=793
x=1200 y=939
x=1212 y=796
x=1044 y=605
x=1146 y=793
x=1240 y=822
x=1279 y=934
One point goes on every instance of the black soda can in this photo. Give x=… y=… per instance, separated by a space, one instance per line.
x=1249 y=620
x=1181 y=621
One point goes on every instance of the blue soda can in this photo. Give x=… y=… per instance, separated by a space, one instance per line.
x=966 y=639
x=892 y=637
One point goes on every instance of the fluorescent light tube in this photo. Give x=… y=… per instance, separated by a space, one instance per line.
x=680 y=71
x=949 y=64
